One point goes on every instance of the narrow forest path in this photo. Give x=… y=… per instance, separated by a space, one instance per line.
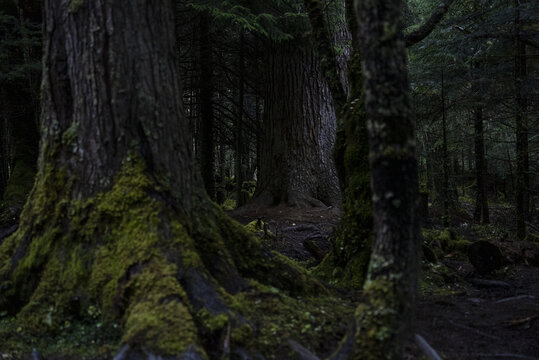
x=461 y=314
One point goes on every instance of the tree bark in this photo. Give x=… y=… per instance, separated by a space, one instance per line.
x=481 y=212
x=521 y=122
x=207 y=145
x=445 y=161
x=346 y=264
x=299 y=131
x=118 y=217
x=383 y=318
x=241 y=154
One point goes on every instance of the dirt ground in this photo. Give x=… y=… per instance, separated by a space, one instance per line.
x=495 y=316
x=466 y=316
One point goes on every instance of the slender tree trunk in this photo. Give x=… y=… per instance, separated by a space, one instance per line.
x=481 y=212
x=445 y=160
x=383 y=318
x=299 y=131
x=118 y=216
x=522 y=170
x=241 y=154
x=207 y=146
x=5 y=150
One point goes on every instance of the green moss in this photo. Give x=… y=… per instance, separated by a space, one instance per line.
x=70 y=134
x=119 y=253
x=446 y=240
x=158 y=318
x=440 y=280
x=213 y=323
x=229 y=204
x=75 y=5
x=316 y=321
x=378 y=321
x=346 y=264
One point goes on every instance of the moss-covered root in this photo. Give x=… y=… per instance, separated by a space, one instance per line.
x=168 y=280
x=379 y=322
x=158 y=321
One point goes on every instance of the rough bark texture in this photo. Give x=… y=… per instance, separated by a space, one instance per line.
x=445 y=161
x=207 y=146
x=481 y=212
x=521 y=122
x=299 y=131
x=347 y=262
x=118 y=217
x=383 y=318
x=240 y=146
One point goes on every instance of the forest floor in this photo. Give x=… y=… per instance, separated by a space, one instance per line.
x=462 y=315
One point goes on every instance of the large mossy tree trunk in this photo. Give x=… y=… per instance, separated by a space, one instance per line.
x=118 y=217
x=383 y=317
x=347 y=262
x=299 y=131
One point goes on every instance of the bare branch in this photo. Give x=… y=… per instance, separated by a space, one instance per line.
x=424 y=30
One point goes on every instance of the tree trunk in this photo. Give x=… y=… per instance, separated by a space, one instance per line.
x=445 y=161
x=383 y=318
x=118 y=217
x=346 y=264
x=522 y=170
x=299 y=131
x=207 y=147
x=481 y=213
x=241 y=154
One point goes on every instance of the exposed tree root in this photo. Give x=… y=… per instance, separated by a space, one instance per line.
x=169 y=278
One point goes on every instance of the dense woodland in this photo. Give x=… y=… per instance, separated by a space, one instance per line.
x=277 y=179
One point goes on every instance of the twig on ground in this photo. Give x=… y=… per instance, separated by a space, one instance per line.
x=301 y=227
x=529 y=319
x=514 y=298
x=489 y=283
x=508 y=356
x=426 y=348
x=302 y=352
x=478 y=332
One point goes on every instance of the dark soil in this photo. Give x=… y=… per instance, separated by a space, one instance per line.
x=466 y=318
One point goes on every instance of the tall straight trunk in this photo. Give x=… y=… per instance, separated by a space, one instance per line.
x=241 y=194
x=207 y=146
x=118 y=216
x=521 y=122
x=220 y=196
x=383 y=318
x=445 y=160
x=481 y=212
x=5 y=150
x=299 y=131
x=346 y=264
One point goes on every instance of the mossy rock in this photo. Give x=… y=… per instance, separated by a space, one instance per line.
x=485 y=257
x=447 y=240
